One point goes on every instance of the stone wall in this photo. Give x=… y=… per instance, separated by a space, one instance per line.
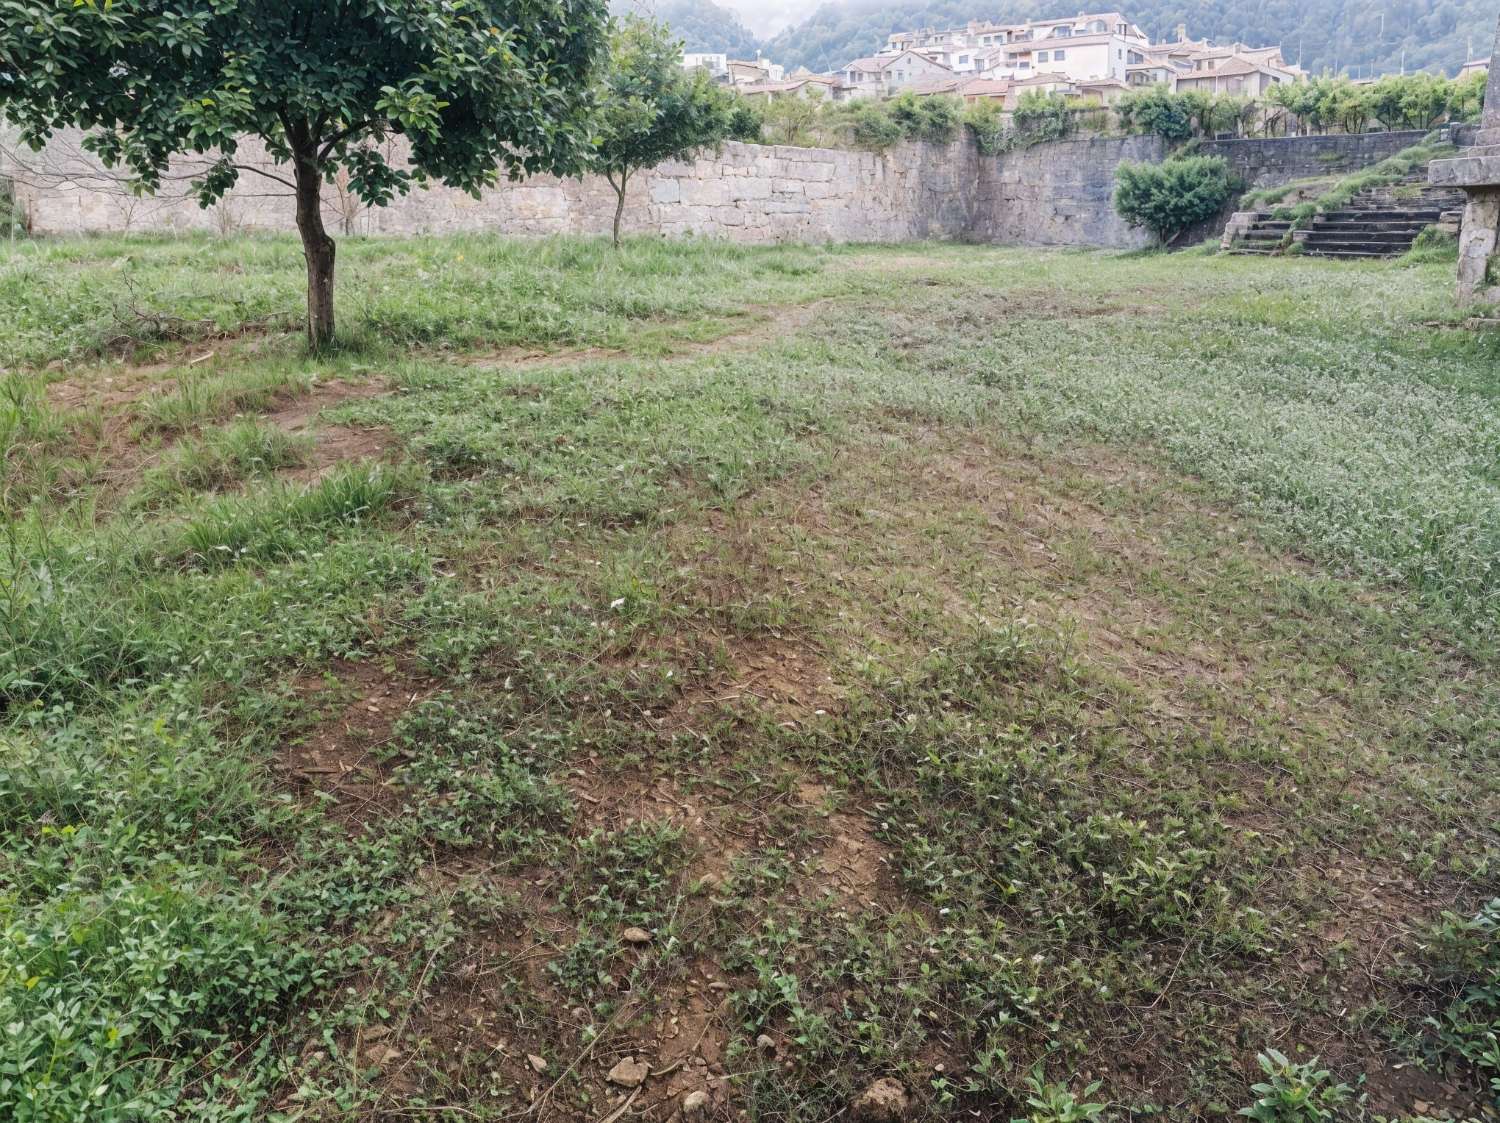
x=1272 y=162
x=746 y=192
x=1059 y=194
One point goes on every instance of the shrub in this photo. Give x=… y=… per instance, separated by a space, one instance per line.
x=1295 y=1092
x=926 y=118
x=1168 y=198
x=1041 y=117
x=985 y=121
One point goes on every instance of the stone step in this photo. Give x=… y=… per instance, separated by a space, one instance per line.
x=1341 y=234
x=1382 y=214
x=1323 y=223
x=1349 y=254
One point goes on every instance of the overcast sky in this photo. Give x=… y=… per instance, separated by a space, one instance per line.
x=767 y=17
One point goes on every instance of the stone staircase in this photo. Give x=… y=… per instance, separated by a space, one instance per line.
x=1380 y=221
x=1377 y=222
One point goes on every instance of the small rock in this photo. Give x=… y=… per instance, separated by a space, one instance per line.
x=695 y=1105
x=882 y=1102
x=375 y=1033
x=538 y=1064
x=629 y=1073
x=636 y=936
x=766 y=1043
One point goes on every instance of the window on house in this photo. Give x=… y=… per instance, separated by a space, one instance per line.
x=1057 y=56
x=1041 y=56
x=962 y=59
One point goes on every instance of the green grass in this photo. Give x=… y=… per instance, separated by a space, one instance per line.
x=1064 y=683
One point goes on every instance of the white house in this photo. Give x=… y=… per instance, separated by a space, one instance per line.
x=884 y=75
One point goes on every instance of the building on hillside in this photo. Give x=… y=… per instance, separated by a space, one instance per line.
x=1247 y=74
x=885 y=75
x=734 y=72
x=819 y=86
x=715 y=62
x=1474 y=66
x=743 y=72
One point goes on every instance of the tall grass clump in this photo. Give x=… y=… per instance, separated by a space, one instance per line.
x=283 y=520
x=227 y=456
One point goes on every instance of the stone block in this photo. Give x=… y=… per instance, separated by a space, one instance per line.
x=787 y=186
x=705 y=192
x=751 y=187
x=666 y=191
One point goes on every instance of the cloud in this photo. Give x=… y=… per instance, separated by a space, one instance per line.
x=767 y=17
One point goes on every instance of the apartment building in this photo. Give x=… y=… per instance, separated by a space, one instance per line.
x=886 y=75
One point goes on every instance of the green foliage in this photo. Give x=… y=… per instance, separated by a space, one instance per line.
x=1159 y=111
x=474 y=86
x=1168 y=198
x=933 y=119
x=1055 y=1103
x=868 y=124
x=651 y=110
x=1296 y=1092
x=12 y=215
x=224 y=457
x=986 y=121
x=792 y=120
x=1463 y=967
x=1041 y=117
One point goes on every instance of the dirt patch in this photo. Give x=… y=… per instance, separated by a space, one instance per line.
x=334 y=444
x=851 y=862
x=337 y=763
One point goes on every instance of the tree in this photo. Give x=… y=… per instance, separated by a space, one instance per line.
x=791 y=119
x=1168 y=198
x=652 y=110
x=1157 y=111
x=472 y=86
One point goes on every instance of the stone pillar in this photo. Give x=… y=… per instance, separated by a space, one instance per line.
x=1477 y=171
x=1477 y=260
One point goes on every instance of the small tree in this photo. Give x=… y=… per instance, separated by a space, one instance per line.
x=1168 y=198
x=472 y=85
x=651 y=109
x=1157 y=111
x=792 y=119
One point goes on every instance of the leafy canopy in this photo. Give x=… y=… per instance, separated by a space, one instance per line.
x=1168 y=198
x=472 y=85
x=650 y=109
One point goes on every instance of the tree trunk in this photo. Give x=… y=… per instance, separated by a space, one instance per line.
x=317 y=248
x=619 y=204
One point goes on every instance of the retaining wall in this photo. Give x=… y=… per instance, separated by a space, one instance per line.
x=1049 y=194
x=1278 y=160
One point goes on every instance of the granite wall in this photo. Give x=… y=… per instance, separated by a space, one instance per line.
x=1057 y=194
x=1278 y=160
x=746 y=192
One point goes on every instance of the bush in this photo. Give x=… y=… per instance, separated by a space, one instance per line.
x=985 y=121
x=1168 y=198
x=927 y=118
x=1041 y=117
x=1156 y=111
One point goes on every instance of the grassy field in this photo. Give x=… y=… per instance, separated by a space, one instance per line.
x=1064 y=684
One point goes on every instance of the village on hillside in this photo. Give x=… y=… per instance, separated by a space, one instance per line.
x=1090 y=58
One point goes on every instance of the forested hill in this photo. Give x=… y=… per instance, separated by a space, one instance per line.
x=1344 y=35
x=701 y=24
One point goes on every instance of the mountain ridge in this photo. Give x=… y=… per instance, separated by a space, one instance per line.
x=1359 y=38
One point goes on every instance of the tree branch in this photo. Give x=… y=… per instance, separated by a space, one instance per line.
x=342 y=134
x=268 y=175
